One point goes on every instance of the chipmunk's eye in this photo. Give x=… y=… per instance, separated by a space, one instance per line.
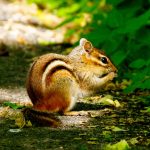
x=104 y=60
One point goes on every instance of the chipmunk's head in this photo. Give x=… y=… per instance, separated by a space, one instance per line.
x=96 y=58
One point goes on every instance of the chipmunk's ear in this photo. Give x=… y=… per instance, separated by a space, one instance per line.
x=87 y=45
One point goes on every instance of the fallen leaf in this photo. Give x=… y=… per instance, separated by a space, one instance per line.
x=28 y=124
x=82 y=134
x=122 y=145
x=148 y=142
x=93 y=126
x=15 y=130
x=108 y=100
x=99 y=113
x=117 y=104
x=4 y=112
x=20 y=121
x=107 y=135
x=133 y=141
x=116 y=129
x=92 y=142
x=146 y=111
x=77 y=138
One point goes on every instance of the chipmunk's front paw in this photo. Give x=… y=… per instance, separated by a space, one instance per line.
x=112 y=75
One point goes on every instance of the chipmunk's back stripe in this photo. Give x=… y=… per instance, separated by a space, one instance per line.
x=29 y=81
x=53 y=67
x=34 y=87
x=51 y=61
x=60 y=68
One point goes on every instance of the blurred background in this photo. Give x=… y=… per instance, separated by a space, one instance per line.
x=121 y=28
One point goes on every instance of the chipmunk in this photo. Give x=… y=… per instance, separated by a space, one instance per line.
x=55 y=81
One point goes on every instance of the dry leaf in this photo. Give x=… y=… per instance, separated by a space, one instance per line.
x=134 y=141
x=108 y=100
x=92 y=142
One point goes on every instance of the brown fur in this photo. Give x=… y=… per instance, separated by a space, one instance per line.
x=64 y=82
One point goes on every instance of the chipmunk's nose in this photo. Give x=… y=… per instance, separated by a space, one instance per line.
x=115 y=69
x=116 y=72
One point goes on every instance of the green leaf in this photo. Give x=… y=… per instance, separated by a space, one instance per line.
x=134 y=24
x=146 y=84
x=115 y=2
x=148 y=62
x=68 y=10
x=144 y=37
x=122 y=145
x=137 y=64
x=69 y=19
x=115 y=19
x=112 y=43
x=134 y=141
x=99 y=35
x=131 y=88
x=107 y=135
x=130 y=6
x=116 y=129
x=13 y=105
x=118 y=57
x=148 y=110
x=89 y=8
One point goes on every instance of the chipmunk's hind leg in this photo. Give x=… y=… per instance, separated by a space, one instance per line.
x=63 y=91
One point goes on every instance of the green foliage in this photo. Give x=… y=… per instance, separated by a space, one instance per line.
x=124 y=34
x=61 y=8
x=49 y=4
x=148 y=110
x=120 y=27
x=13 y=105
x=122 y=145
x=137 y=64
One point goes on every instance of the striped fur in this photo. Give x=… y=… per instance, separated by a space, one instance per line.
x=51 y=68
x=55 y=81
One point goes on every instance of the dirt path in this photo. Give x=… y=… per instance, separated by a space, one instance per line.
x=17 y=95
x=21 y=25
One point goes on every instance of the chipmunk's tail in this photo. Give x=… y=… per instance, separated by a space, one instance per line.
x=39 y=118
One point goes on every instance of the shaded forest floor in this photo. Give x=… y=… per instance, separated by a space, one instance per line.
x=98 y=126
